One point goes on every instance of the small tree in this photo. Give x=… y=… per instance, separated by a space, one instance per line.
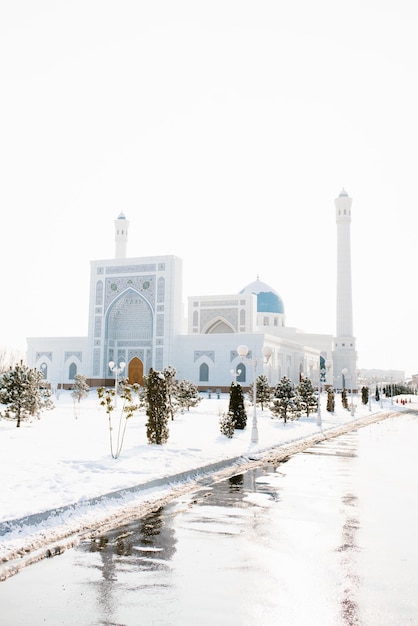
x=23 y=393
x=364 y=395
x=330 y=400
x=187 y=395
x=236 y=406
x=263 y=391
x=79 y=391
x=377 y=394
x=285 y=400
x=157 y=407
x=227 y=424
x=306 y=392
x=107 y=399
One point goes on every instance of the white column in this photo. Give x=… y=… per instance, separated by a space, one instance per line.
x=344 y=291
x=344 y=354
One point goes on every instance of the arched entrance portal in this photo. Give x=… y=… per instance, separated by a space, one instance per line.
x=136 y=371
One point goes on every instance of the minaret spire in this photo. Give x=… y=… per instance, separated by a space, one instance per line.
x=344 y=355
x=121 y=236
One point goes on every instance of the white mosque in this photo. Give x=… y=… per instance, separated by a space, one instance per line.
x=136 y=319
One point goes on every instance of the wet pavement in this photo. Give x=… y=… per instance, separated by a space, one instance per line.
x=326 y=538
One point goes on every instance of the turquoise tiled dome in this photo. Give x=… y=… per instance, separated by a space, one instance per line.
x=268 y=300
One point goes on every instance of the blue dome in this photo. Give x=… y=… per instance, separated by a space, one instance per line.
x=268 y=300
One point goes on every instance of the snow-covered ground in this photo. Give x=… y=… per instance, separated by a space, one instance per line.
x=59 y=478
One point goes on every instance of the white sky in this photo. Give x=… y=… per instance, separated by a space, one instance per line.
x=224 y=130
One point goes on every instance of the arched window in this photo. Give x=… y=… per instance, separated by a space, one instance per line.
x=99 y=292
x=204 y=373
x=161 y=289
x=72 y=371
x=241 y=373
x=130 y=319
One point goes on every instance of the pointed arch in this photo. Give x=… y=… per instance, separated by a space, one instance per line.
x=241 y=372
x=218 y=325
x=99 y=292
x=204 y=373
x=72 y=371
x=130 y=318
x=136 y=371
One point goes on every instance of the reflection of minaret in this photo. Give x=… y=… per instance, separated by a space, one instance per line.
x=121 y=236
x=344 y=355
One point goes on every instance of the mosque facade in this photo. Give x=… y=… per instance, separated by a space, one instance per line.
x=136 y=318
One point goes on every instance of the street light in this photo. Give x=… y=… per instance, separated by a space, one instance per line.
x=242 y=352
x=328 y=365
x=117 y=370
x=310 y=364
x=344 y=372
x=319 y=414
x=235 y=374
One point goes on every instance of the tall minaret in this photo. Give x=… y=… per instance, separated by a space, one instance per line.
x=344 y=354
x=121 y=236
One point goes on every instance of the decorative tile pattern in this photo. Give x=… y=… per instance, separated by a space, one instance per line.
x=99 y=292
x=47 y=355
x=158 y=359
x=161 y=289
x=97 y=326
x=96 y=362
x=160 y=326
x=145 y=285
x=131 y=269
x=209 y=353
x=77 y=355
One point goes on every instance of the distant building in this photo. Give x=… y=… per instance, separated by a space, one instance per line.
x=136 y=317
x=371 y=376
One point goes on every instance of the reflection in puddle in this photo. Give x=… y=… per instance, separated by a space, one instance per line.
x=323 y=540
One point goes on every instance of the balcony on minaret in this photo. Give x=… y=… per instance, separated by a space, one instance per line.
x=121 y=236
x=343 y=207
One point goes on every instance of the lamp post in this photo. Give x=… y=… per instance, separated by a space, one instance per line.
x=319 y=414
x=344 y=372
x=235 y=374
x=43 y=370
x=117 y=370
x=310 y=364
x=242 y=352
x=328 y=365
